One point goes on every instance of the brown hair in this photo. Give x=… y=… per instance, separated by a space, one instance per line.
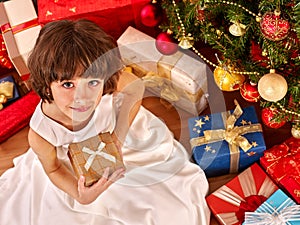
x=67 y=48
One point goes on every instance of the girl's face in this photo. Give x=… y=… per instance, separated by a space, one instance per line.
x=77 y=98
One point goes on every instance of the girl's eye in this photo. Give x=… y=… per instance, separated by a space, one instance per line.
x=68 y=84
x=94 y=83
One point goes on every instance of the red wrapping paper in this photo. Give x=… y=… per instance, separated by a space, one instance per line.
x=244 y=193
x=282 y=163
x=113 y=16
x=17 y=115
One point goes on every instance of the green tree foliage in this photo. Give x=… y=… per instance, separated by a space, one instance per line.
x=211 y=21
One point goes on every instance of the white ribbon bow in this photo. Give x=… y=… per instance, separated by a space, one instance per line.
x=97 y=152
x=285 y=216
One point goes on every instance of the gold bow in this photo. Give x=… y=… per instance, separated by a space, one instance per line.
x=7 y=88
x=167 y=91
x=6 y=92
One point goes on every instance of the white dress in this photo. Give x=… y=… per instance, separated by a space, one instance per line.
x=161 y=186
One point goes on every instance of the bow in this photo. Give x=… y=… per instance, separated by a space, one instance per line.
x=98 y=152
x=167 y=92
x=287 y=215
x=273 y=216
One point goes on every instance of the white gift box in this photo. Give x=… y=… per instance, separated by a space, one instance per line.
x=20 y=29
x=179 y=78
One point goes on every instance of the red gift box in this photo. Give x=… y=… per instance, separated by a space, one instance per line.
x=244 y=193
x=17 y=115
x=282 y=163
x=113 y=16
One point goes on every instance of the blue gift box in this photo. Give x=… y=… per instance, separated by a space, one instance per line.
x=277 y=209
x=226 y=142
x=15 y=89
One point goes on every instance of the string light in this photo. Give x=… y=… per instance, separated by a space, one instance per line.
x=186 y=38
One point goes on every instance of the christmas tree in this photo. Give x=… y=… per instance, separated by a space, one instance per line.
x=256 y=41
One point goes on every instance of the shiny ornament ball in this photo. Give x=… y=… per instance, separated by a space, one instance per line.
x=249 y=92
x=295 y=131
x=273 y=27
x=272 y=87
x=228 y=81
x=151 y=15
x=165 y=44
x=268 y=116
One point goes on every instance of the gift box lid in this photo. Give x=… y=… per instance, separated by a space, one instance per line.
x=277 y=209
x=282 y=163
x=245 y=192
x=92 y=156
x=218 y=155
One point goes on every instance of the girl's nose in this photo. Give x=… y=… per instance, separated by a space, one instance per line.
x=80 y=92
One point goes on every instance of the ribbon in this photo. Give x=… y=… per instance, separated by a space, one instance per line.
x=268 y=215
x=20 y=27
x=162 y=79
x=99 y=152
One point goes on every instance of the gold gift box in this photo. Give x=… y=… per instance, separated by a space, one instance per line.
x=90 y=157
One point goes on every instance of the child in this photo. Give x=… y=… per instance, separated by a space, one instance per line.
x=77 y=71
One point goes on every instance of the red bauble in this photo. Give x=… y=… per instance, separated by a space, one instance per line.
x=268 y=115
x=273 y=27
x=151 y=15
x=165 y=44
x=249 y=92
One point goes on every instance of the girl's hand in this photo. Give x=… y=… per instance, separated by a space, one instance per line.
x=89 y=194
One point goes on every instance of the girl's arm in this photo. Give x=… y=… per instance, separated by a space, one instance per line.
x=63 y=178
x=133 y=89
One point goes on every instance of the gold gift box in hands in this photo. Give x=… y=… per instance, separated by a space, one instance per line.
x=90 y=157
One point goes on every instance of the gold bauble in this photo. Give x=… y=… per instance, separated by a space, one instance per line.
x=272 y=87
x=295 y=132
x=237 y=29
x=227 y=80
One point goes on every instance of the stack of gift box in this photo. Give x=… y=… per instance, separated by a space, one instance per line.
x=267 y=187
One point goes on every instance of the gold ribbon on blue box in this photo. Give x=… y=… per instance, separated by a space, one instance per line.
x=226 y=142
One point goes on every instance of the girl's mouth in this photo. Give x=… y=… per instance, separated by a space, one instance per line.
x=81 y=108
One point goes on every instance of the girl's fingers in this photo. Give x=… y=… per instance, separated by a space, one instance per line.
x=81 y=181
x=119 y=173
